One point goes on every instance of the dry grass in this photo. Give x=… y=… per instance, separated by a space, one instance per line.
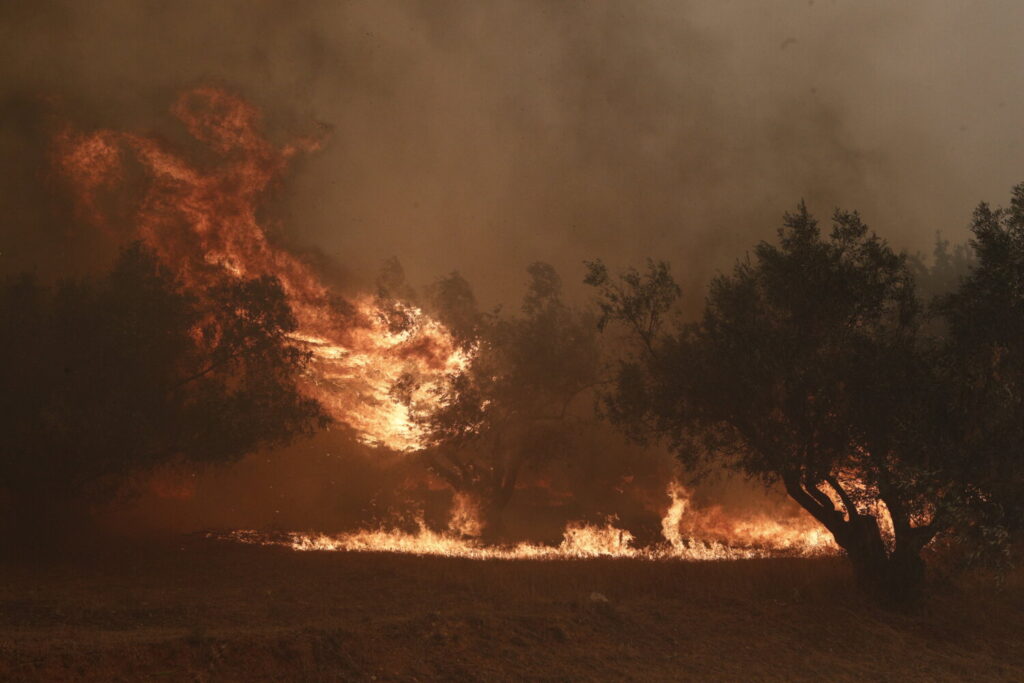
x=199 y=610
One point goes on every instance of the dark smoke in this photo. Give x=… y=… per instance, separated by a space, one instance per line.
x=524 y=130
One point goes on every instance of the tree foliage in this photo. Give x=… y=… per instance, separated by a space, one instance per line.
x=811 y=366
x=985 y=353
x=106 y=379
x=514 y=406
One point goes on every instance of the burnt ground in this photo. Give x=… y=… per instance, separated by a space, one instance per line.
x=195 y=609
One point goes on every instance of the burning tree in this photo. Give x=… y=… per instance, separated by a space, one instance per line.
x=105 y=380
x=811 y=367
x=200 y=209
x=513 y=406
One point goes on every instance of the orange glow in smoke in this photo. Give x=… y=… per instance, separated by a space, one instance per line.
x=199 y=212
x=201 y=218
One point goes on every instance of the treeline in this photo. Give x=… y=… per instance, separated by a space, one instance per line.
x=886 y=396
x=876 y=391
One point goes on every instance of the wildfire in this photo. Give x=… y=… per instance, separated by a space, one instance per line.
x=464 y=519
x=375 y=364
x=707 y=537
x=801 y=535
x=201 y=219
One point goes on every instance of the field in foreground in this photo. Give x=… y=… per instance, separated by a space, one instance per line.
x=204 y=610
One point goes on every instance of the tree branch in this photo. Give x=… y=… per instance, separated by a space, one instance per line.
x=828 y=516
x=851 y=507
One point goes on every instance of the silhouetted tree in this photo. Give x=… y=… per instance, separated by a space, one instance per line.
x=104 y=380
x=948 y=267
x=985 y=358
x=455 y=306
x=513 y=407
x=809 y=367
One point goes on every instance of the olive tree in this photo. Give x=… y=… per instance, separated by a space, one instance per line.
x=809 y=367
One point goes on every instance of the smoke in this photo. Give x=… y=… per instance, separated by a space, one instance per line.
x=481 y=137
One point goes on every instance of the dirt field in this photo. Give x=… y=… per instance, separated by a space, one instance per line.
x=203 y=610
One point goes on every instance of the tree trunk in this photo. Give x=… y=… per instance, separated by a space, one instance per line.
x=895 y=577
x=492 y=509
x=492 y=521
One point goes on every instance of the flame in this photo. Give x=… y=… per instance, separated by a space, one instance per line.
x=798 y=535
x=673 y=518
x=465 y=516
x=201 y=218
x=375 y=366
x=709 y=537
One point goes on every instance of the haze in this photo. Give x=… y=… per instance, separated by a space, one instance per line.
x=480 y=137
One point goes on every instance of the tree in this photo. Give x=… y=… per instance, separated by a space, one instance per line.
x=985 y=358
x=808 y=367
x=514 y=406
x=105 y=380
x=947 y=269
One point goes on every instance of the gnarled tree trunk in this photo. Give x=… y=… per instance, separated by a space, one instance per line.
x=895 y=575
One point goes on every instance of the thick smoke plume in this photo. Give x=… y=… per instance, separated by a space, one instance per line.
x=525 y=130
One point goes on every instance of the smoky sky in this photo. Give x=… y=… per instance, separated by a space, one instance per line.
x=482 y=136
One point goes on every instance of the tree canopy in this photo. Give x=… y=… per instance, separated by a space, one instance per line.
x=513 y=406
x=108 y=378
x=812 y=366
x=984 y=349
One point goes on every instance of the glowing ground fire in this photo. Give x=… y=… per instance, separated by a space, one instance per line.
x=689 y=535
x=201 y=219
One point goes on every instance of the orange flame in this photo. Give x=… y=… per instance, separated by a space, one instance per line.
x=799 y=535
x=464 y=519
x=202 y=219
x=708 y=538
